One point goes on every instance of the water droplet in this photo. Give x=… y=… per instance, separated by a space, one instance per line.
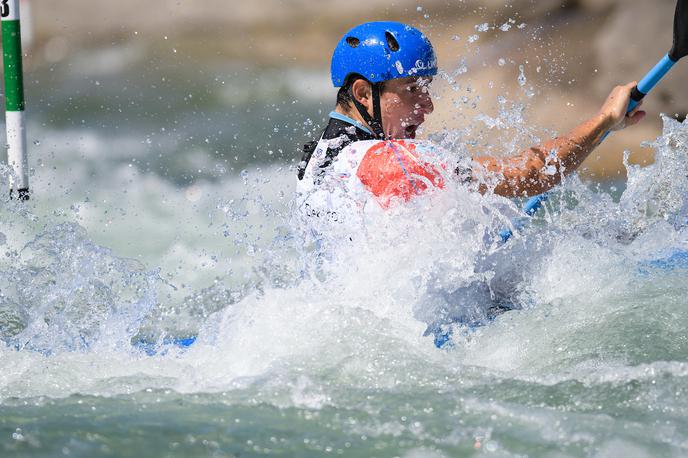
x=521 y=76
x=484 y=27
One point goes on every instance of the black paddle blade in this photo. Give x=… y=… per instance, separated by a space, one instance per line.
x=680 y=48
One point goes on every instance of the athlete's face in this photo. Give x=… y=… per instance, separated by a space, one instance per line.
x=404 y=104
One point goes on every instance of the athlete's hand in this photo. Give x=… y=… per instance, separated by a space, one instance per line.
x=614 y=108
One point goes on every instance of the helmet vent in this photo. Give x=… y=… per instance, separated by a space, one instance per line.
x=392 y=42
x=353 y=41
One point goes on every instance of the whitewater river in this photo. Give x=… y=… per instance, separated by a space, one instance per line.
x=163 y=210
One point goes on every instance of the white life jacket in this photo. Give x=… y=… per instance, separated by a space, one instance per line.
x=386 y=172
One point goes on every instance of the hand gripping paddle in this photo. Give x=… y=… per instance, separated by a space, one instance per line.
x=678 y=51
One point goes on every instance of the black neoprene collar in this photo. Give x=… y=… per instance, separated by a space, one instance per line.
x=375 y=121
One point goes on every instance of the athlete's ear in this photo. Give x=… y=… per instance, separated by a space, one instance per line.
x=363 y=93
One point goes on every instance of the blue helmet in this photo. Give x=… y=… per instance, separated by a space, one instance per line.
x=381 y=51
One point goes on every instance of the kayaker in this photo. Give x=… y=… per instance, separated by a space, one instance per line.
x=383 y=71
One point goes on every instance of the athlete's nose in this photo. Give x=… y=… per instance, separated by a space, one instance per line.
x=425 y=103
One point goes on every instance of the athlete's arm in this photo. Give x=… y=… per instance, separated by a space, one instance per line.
x=541 y=167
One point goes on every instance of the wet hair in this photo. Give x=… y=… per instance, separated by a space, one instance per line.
x=345 y=98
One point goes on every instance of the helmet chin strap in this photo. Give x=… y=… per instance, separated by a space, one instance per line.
x=375 y=121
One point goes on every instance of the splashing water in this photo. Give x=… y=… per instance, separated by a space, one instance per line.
x=568 y=340
x=327 y=350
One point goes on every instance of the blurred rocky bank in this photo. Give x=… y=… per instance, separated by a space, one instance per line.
x=558 y=57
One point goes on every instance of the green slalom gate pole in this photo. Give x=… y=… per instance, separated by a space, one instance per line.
x=17 y=156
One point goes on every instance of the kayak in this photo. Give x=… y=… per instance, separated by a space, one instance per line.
x=151 y=348
x=440 y=332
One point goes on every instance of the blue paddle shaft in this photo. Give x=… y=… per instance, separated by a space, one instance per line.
x=652 y=78
x=530 y=208
x=533 y=205
x=647 y=84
